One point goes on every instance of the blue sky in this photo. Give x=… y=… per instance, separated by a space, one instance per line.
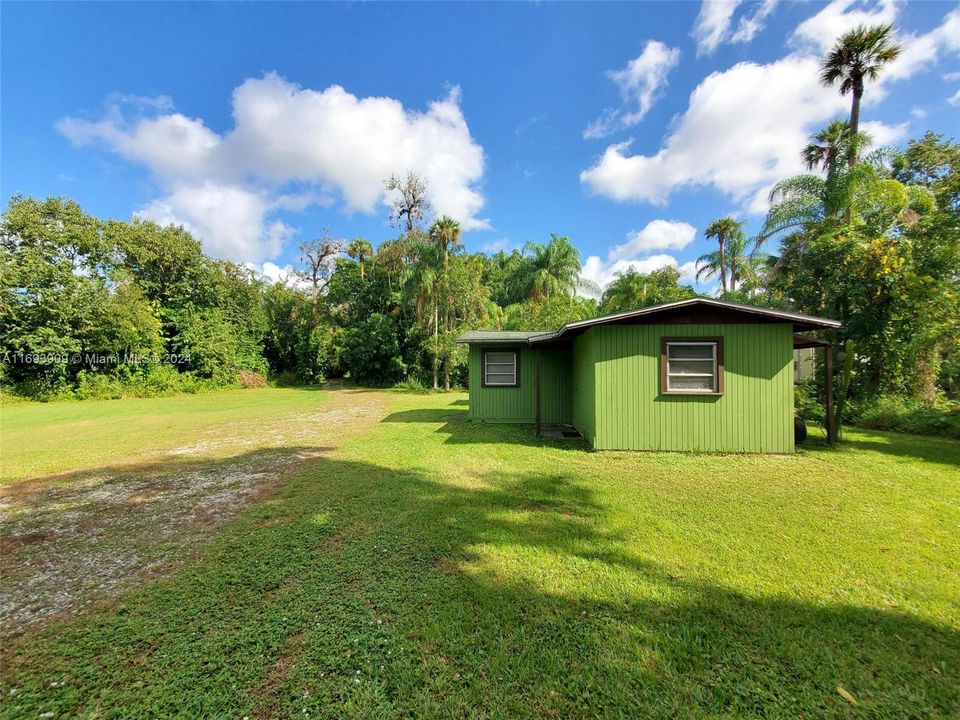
x=627 y=127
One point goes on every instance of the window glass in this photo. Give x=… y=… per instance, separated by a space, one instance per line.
x=500 y=368
x=691 y=367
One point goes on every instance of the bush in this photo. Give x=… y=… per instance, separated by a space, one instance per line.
x=371 y=352
x=411 y=384
x=808 y=401
x=903 y=415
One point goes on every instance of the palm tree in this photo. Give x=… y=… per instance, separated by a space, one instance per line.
x=360 y=249
x=831 y=146
x=723 y=229
x=736 y=263
x=553 y=269
x=424 y=282
x=633 y=289
x=858 y=55
x=445 y=232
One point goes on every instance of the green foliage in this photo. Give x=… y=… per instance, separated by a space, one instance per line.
x=891 y=412
x=549 y=314
x=808 y=401
x=633 y=289
x=371 y=352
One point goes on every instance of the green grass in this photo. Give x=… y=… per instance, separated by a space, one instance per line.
x=45 y=438
x=437 y=568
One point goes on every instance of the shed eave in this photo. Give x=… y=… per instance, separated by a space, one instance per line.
x=799 y=320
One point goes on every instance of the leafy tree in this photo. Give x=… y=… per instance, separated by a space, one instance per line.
x=371 y=352
x=634 y=289
x=858 y=55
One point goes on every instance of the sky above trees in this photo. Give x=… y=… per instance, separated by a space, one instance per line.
x=627 y=127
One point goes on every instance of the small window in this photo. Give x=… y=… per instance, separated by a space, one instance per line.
x=500 y=368
x=692 y=366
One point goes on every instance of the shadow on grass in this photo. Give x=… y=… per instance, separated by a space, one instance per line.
x=362 y=590
x=456 y=425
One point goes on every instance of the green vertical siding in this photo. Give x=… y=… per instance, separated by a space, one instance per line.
x=518 y=404
x=755 y=413
x=584 y=386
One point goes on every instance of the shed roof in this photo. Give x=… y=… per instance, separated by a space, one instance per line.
x=499 y=336
x=681 y=312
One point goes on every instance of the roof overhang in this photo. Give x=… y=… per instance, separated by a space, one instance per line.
x=685 y=309
x=801 y=342
x=705 y=310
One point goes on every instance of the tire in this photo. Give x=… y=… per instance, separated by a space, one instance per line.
x=799 y=430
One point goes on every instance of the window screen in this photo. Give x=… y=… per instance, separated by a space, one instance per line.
x=500 y=368
x=692 y=367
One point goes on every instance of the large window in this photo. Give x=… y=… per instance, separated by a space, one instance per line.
x=692 y=366
x=500 y=368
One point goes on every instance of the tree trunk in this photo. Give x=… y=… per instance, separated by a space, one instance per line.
x=855 y=120
x=436 y=347
x=723 y=264
x=925 y=375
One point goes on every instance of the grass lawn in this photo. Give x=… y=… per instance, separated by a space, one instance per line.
x=45 y=438
x=432 y=567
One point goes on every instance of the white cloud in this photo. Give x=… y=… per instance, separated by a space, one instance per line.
x=635 y=253
x=954 y=99
x=918 y=112
x=273 y=273
x=819 y=32
x=655 y=235
x=750 y=25
x=884 y=134
x=712 y=25
x=502 y=244
x=230 y=219
x=640 y=83
x=328 y=143
x=745 y=126
x=743 y=129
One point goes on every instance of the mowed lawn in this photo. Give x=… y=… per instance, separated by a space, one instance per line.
x=432 y=567
x=45 y=438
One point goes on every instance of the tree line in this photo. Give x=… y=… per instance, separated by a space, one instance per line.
x=871 y=238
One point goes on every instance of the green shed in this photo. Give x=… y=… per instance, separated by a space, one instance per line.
x=700 y=375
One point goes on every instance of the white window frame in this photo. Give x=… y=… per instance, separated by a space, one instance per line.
x=515 y=382
x=714 y=375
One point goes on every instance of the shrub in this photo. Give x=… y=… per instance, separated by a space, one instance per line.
x=904 y=415
x=371 y=352
x=807 y=401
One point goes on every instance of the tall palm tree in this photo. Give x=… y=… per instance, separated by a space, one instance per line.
x=445 y=232
x=737 y=264
x=723 y=230
x=858 y=55
x=553 y=269
x=360 y=249
x=424 y=283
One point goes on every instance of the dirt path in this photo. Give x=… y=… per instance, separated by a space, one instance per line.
x=71 y=541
